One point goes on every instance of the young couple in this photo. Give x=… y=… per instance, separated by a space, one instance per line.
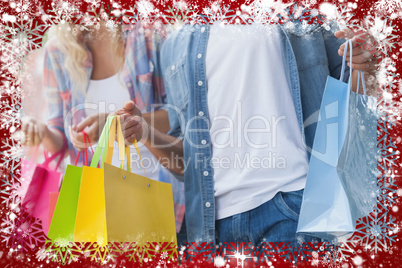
x=237 y=101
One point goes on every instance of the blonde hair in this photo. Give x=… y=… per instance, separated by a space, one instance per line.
x=72 y=44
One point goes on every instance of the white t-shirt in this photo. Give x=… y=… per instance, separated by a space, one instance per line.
x=257 y=146
x=108 y=95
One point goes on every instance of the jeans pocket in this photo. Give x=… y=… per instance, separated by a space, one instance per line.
x=289 y=203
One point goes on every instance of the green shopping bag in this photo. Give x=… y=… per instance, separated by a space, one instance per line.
x=62 y=225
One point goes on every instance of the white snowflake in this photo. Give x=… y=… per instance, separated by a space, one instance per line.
x=219 y=261
x=218 y=13
x=95 y=3
x=386 y=74
x=164 y=255
x=10 y=112
x=19 y=37
x=42 y=254
x=10 y=186
x=10 y=153
x=388 y=7
x=383 y=32
x=146 y=8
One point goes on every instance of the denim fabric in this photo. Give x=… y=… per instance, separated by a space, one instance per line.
x=308 y=56
x=273 y=221
x=182 y=235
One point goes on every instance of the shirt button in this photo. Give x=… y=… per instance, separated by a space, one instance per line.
x=199 y=56
x=203 y=142
x=200 y=83
x=206 y=173
x=201 y=113
x=173 y=67
x=128 y=84
x=203 y=29
x=207 y=204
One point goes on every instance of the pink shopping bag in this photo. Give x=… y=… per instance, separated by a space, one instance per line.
x=40 y=181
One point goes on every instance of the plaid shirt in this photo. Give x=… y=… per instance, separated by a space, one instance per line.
x=141 y=74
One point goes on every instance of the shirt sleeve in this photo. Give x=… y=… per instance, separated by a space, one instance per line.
x=142 y=65
x=159 y=35
x=51 y=82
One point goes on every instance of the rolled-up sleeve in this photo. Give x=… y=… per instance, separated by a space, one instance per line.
x=142 y=70
x=52 y=87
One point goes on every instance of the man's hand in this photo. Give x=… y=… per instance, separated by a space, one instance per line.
x=32 y=131
x=92 y=125
x=364 y=57
x=133 y=124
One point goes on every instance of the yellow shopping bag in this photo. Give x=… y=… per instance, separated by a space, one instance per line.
x=90 y=224
x=138 y=209
x=116 y=205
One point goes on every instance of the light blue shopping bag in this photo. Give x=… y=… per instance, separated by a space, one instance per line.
x=341 y=181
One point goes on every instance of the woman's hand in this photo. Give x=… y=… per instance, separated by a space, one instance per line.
x=33 y=131
x=92 y=125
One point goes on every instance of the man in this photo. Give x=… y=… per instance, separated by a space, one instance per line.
x=238 y=97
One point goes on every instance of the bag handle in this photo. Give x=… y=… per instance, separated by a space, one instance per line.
x=120 y=140
x=359 y=74
x=87 y=144
x=116 y=129
x=45 y=153
x=121 y=147
x=106 y=144
x=58 y=154
x=102 y=143
x=139 y=154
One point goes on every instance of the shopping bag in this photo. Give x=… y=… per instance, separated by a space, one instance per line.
x=43 y=181
x=328 y=210
x=28 y=167
x=63 y=220
x=358 y=158
x=104 y=213
x=53 y=196
x=90 y=222
x=138 y=209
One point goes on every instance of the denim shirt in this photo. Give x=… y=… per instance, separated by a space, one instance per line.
x=309 y=56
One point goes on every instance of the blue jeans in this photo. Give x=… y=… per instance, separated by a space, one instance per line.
x=182 y=235
x=273 y=221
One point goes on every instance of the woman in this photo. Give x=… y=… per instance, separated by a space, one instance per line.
x=89 y=74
